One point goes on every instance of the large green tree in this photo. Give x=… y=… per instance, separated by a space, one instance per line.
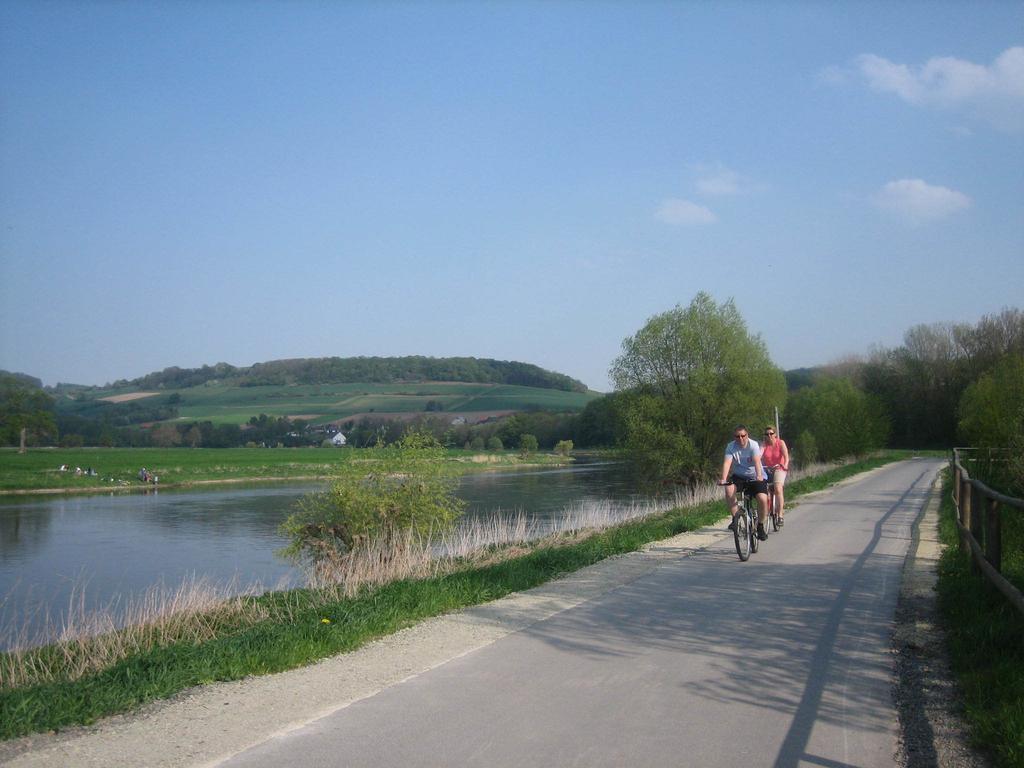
x=686 y=378
x=24 y=406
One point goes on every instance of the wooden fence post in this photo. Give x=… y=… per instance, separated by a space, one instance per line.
x=993 y=534
x=956 y=482
x=965 y=513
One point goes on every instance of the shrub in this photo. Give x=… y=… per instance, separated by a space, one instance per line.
x=563 y=447
x=805 y=449
x=495 y=444
x=397 y=489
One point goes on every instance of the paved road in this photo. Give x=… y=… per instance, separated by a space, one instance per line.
x=703 y=660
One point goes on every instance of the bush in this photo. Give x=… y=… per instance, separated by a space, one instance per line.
x=843 y=420
x=992 y=416
x=805 y=449
x=394 y=490
x=563 y=447
x=495 y=444
x=527 y=444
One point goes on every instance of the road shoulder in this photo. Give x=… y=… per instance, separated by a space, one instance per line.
x=932 y=728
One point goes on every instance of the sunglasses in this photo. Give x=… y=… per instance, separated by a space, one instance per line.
x=740 y=435
x=769 y=433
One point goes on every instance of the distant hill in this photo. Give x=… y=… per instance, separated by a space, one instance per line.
x=327 y=390
x=358 y=370
x=20 y=380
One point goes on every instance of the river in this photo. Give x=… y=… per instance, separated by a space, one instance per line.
x=99 y=550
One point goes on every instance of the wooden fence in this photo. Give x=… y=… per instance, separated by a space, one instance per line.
x=980 y=521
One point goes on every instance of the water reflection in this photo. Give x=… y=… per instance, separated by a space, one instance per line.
x=122 y=544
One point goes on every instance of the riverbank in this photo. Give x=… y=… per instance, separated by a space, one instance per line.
x=284 y=630
x=38 y=471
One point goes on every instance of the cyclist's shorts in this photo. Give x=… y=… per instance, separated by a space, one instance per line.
x=776 y=477
x=750 y=487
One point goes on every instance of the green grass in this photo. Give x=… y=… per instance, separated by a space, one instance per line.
x=986 y=644
x=276 y=645
x=38 y=468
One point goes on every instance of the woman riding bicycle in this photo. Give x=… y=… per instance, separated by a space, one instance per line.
x=742 y=471
x=775 y=459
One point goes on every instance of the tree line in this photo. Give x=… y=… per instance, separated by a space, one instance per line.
x=692 y=373
x=359 y=370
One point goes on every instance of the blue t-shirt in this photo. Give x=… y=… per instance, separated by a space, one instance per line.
x=743 y=458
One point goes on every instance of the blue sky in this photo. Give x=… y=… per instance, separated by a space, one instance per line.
x=185 y=183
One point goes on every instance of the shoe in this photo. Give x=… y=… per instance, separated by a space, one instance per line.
x=732 y=525
x=761 y=532
x=782 y=521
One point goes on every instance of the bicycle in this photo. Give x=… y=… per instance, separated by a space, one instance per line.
x=744 y=531
x=773 y=513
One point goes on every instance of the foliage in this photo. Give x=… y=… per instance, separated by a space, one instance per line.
x=563 y=447
x=494 y=444
x=840 y=418
x=921 y=382
x=992 y=416
x=805 y=449
x=387 y=491
x=328 y=370
x=25 y=406
x=599 y=424
x=528 y=443
x=686 y=378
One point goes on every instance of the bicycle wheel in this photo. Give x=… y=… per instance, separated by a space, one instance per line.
x=752 y=517
x=741 y=533
x=773 y=514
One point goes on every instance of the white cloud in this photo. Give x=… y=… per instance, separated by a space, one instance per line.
x=719 y=181
x=684 y=213
x=917 y=201
x=994 y=93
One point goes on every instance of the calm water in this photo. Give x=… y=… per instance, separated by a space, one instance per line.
x=122 y=544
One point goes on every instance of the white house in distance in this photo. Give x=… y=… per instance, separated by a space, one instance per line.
x=338 y=440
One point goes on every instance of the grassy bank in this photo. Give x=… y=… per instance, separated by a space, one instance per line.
x=986 y=643
x=279 y=631
x=38 y=470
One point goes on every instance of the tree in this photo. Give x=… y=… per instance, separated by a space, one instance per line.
x=527 y=443
x=494 y=444
x=834 y=419
x=686 y=378
x=24 y=406
x=165 y=436
x=599 y=424
x=992 y=416
x=563 y=447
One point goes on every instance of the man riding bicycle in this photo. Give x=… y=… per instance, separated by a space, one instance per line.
x=742 y=472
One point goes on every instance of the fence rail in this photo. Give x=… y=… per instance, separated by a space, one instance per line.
x=980 y=522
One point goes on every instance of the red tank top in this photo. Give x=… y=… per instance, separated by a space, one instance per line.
x=772 y=455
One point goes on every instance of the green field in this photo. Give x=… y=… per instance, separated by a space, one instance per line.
x=333 y=402
x=118 y=468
